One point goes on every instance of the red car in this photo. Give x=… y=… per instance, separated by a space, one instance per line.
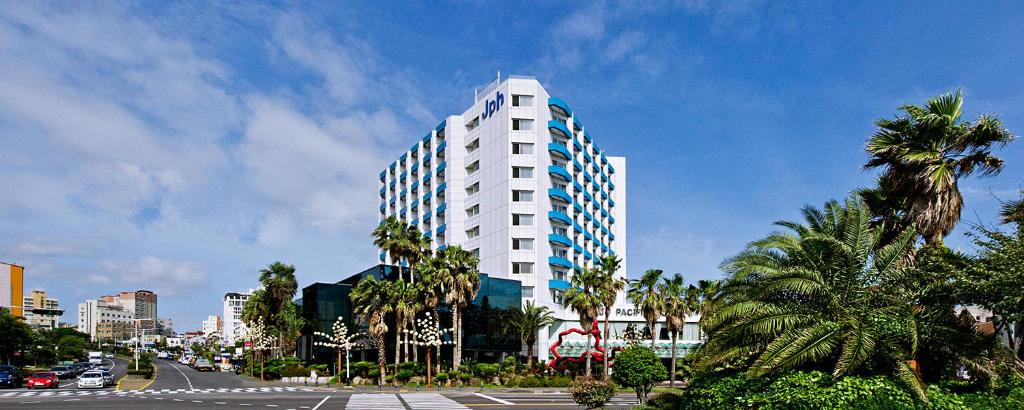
x=47 y=380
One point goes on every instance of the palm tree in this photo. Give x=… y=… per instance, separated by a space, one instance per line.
x=583 y=298
x=1013 y=211
x=273 y=302
x=706 y=295
x=528 y=322
x=460 y=288
x=924 y=153
x=432 y=272
x=370 y=300
x=644 y=294
x=676 y=304
x=416 y=248
x=389 y=237
x=825 y=292
x=608 y=288
x=402 y=298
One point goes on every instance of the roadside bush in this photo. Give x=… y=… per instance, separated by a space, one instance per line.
x=441 y=377
x=363 y=368
x=487 y=370
x=465 y=376
x=417 y=369
x=639 y=368
x=591 y=393
x=373 y=373
x=668 y=400
x=144 y=372
x=295 y=371
x=404 y=375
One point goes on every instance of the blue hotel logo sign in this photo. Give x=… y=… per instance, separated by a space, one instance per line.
x=492 y=106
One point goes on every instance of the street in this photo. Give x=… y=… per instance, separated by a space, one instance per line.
x=181 y=387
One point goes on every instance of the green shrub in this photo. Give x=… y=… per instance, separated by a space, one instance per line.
x=465 y=376
x=441 y=377
x=416 y=368
x=363 y=368
x=668 y=400
x=591 y=393
x=487 y=370
x=374 y=373
x=404 y=375
x=144 y=372
x=639 y=368
x=558 y=381
x=295 y=371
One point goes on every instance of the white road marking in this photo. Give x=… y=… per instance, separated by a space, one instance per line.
x=321 y=403
x=219 y=402
x=505 y=402
x=374 y=401
x=182 y=375
x=430 y=401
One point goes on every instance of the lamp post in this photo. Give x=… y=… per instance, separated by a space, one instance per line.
x=339 y=339
x=428 y=333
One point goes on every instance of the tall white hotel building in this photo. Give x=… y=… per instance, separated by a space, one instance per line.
x=519 y=180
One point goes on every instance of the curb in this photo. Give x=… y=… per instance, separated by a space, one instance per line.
x=156 y=373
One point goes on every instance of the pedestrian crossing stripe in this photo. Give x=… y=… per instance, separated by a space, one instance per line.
x=66 y=393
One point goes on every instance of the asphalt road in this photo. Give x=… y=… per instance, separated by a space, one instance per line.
x=181 y=387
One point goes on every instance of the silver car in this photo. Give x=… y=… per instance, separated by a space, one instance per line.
x=108 y=378
x=92 y=380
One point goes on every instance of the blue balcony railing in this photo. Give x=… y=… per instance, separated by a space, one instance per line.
x=559 y=261
x=559 y=194
x=556 y=148
x=560 y=217
x=560 y=239
x=554 y=102
x=557 y=127
x=558 y=171
x=558 y=284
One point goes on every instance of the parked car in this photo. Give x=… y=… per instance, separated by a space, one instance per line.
x=92 y=379
x=110 y=355
x=63 y=372
x=10 y=376
x=203 y=365
x=46 y=380
x=108 y=377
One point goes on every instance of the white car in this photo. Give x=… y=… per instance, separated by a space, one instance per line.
x=92 y=380
x=108 y=378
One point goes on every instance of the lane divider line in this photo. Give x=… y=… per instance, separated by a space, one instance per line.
x=505 y=402
x=321 y=403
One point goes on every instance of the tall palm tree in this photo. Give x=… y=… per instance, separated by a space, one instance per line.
x=273 y=301
x=371 y=301
x=431 y=272
x=607 y=290
x=528 y=322
x=674 y=305
x=825 y=292
x=644 y=294
x=402 y=298
x=583 y=298
x=923 y=154
x=460 y=288
x=706 y=297
x=1013 y=211
x=416 y=248
x=389 y=237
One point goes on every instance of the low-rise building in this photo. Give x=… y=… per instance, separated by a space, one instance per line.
x=42 y=312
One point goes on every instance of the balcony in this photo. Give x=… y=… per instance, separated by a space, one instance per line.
x=586 y=136
x=392 y=201
x=403 y=157
x=587 y=254
x=576 y=144
x=402 y=212
x=558 y=284
x=441 y=229
x=440 y=209
x=415 y=167
x=556 y=127
x=579 y=249
x=560 y=217
x=576 y=164
x=392 y=184
x=576 y=186
x=611 y=169
x=611 y=186
x=382 y=192
x=426 y=178
x=604 y=248
x=556 y=148
x=561 y=106
x=587 y=157
x=588 y=197
x=604 y=230
x=440 y=127
x=588 y=236
x=427 y=234
x=441 y=187
x=415 y=221
x=383 y=175
x=611 y=219
x=611 y=203
x=577 y=207
x=604 y=195
x=604 y=212
x=611 y=236
x=441 y=167
x=576 y=227
x=393 y=165
x=587 y=177
x=426 y=139
x=555 y=170
x=414 y=185
x=415 y=204
x=559 y=261
x=558 y=193
x=440 y=147
x=587 y=216
x=382 y=207
x=382 y=256
x=560 y=239
x=426 y=216
x=426 y=158
x=426 y=196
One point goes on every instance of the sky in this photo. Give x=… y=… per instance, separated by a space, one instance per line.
x=182 y=146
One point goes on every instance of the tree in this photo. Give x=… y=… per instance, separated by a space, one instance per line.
x=262 y=341
x=996 y=279
x=644 y=294
x=824 y=293
x=608 y=288
x=1013 y=211
x=370 y=302
x=273 y=302
x=583 y=298
x=389 y=237
x=528 y=322
x=402 y=298
x=678 y=302
x=15 y=335
x=923 y=154
x=638 y=368
x=460 y=288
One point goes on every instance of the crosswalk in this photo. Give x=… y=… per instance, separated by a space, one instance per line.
x=371 y=401
x=76 y=393
x=430 y=401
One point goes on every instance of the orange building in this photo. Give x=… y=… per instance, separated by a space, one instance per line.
x=12 y=288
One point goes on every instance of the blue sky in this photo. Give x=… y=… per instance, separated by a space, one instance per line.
x=180 y=147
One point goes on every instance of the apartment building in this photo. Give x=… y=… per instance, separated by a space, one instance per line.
x=42 y=312
x=232 y=318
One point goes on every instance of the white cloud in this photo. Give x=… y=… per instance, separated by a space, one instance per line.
x=170 y=278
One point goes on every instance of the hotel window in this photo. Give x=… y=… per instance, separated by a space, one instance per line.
x=522 y=219
x=558 y=296
x=522 y=124
x=559 y=275
x=474 y=167
x=560 y=230
x=476 y=253
x=522 y=172
x=473 y=146
x=473 y=233
x=522 y=196
x=473 y=124
x=522 y=148
x=522 y=267
x=522 y=244
x=473 y=211
x=527 y=291
x=472 y=189
x=522 y=100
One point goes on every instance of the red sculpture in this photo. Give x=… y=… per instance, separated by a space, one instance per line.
x=598 y=352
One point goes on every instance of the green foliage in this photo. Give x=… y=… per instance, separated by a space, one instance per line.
x=146 y=372
x=667 y=400
x=374 y=373
x=591 y=393
x=15 y=335
x=404 y=375
x=638 y=368
x=486 y=370
x=362 y=368
x=441 y=377
x=417 y=368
